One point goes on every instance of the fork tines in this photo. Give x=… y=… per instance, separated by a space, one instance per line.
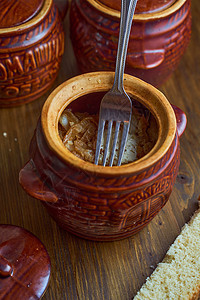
x=112 y=125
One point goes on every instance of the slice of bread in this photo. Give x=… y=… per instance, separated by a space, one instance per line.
x=177 y=277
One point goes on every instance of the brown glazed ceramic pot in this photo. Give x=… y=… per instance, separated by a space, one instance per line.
x=96 y=202
x=31 y=48
x=158 y=38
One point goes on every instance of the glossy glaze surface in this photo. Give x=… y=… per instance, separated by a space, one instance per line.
x=157 y=41
x=30 y=53
x=91 y=201
x=24 y=264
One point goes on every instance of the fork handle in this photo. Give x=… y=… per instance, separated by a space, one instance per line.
x=127 y=11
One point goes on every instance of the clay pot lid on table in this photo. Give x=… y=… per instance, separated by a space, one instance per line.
x=15 y=13
x=24 y=264
x=142 y=7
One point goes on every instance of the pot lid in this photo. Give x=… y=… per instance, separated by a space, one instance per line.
x=14 y=13
x=142 y=7
x=24 y=264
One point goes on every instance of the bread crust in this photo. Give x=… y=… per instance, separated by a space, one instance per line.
x=183 y=251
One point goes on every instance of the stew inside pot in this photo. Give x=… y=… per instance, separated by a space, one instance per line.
x=78 y=131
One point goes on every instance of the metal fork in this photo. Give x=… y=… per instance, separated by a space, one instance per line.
x=116 y=105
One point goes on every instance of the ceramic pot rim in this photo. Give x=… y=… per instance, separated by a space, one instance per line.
x=32 y=22
x=140 y=17
x=87 y=83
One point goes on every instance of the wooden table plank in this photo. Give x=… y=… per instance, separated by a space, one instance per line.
x=112 y=270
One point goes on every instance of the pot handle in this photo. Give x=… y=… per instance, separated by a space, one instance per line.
x=180 y=119
x=32 y=184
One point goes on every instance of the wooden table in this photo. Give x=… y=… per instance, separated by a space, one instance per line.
x=104 y=270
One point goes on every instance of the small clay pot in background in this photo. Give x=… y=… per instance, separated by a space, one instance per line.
x=31 y=48
x=160 y=34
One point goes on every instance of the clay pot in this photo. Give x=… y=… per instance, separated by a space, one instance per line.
x=96 y=202
x=31 y=48
x=160 y=33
